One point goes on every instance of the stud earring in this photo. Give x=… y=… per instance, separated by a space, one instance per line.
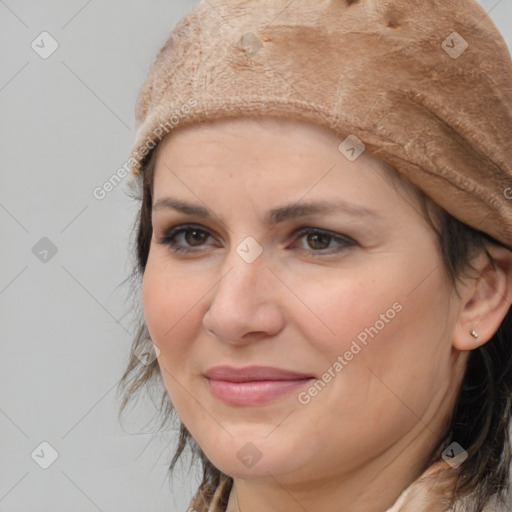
x=474 y=334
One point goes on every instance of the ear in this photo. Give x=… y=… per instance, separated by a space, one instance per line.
x=485 y=298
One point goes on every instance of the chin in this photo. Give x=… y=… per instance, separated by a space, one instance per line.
x=246 y=459
x=255 y=470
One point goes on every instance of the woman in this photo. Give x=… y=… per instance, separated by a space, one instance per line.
x=325 y=247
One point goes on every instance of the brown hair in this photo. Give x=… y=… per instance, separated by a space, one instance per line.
x=483 y=411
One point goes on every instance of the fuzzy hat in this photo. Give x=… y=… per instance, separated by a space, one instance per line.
x=425 y=85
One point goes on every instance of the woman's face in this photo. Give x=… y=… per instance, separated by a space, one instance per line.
x=347 y=304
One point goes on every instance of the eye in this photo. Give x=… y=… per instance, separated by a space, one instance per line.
x=186 y=237
x=320 y=240
x=193 y=236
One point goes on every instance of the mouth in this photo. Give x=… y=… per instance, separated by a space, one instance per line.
x=253 y=385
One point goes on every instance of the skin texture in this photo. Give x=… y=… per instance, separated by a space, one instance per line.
x=371 y=430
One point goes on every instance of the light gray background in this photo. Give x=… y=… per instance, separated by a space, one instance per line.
x=67 y=124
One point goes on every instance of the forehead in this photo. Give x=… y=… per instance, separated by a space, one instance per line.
x=290 y=148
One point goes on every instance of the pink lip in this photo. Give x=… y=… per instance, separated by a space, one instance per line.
x=253 y=385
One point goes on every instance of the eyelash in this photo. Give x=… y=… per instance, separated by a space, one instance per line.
x=169 y=239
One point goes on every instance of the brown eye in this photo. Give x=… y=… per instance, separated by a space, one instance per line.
x=189 y=239
x=318 y=241
x=195 y=237
x=183 y=239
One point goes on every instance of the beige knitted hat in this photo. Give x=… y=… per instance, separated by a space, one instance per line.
x=425 y=85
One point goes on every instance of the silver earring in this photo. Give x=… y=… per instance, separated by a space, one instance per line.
x=474 y=334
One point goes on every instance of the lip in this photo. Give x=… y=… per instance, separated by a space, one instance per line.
x=253 y=385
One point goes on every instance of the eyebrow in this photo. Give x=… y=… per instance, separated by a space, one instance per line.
x=276 y=215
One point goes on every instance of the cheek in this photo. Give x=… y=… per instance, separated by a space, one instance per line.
x=378 y=325
x=170 y=311
x=169 y=304
x=156 y=301
x=335 y=310
x=405 y=362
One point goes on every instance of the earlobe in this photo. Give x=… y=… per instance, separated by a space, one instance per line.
x=486 y=299
x=474 y=333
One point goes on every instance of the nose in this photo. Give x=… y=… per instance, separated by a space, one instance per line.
x=245 y=305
